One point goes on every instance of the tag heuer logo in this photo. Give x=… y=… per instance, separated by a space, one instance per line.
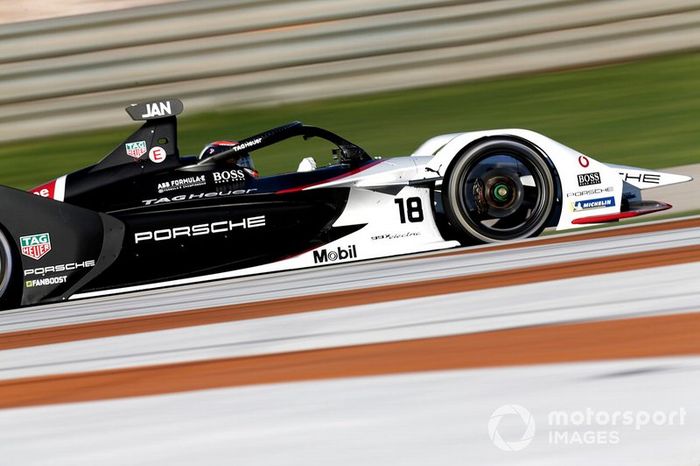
x=35 y=246
x=136 y=149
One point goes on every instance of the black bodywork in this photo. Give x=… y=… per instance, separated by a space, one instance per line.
x=129 y=220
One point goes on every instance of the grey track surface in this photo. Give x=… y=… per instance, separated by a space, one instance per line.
x=431 y=418
x=648 y=292
x=683 y=197
x=334 y=278
x=417 y=418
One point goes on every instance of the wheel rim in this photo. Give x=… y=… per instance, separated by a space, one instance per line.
x=503 y=193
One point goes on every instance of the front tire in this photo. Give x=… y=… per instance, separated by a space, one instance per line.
x=498 y=190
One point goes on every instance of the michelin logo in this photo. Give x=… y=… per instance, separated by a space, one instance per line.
x=598 y=203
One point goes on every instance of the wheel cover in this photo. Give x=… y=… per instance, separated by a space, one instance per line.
x=503 y=193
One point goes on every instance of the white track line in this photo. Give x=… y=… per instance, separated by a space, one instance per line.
x=663 y=290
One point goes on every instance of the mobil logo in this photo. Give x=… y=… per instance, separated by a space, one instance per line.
x=334 y=255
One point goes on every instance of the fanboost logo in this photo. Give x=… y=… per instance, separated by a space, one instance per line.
x=339 y=254
x=495 y=422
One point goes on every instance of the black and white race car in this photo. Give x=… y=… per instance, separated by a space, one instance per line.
x=145 y=217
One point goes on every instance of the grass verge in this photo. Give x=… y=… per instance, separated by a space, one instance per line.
x=641 y=113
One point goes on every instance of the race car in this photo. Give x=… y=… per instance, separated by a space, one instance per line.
x=146 y=217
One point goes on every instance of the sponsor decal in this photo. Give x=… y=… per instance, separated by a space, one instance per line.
x=583 y=161
x=588 y=179
x=157 y=154
x=395 y=235
x=45 y=281
x=245 y=145
x=598 y=203
x=35 y=246
x=136 y=149
x=182 y=183
x=69 y=267
x=229 y=176
x=339 y=254
x=591 y=192
x=190 y=197
x=649 y=178
x=45 y=190
x=54 y=189
x=157 y=109
x=202 y=229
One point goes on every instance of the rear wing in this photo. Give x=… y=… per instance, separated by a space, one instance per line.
x=151 y=148
x=154 y=142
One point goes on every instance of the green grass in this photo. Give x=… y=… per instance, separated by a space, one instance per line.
x=644 y=113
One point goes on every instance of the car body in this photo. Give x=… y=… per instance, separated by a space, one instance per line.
x=145 y=217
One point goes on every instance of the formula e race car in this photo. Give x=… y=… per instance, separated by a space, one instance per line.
x=145 y=217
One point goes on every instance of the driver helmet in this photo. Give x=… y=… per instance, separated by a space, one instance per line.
x=244 y=160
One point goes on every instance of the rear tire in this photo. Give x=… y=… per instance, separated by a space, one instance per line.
x=9 y=294
x=498 y=190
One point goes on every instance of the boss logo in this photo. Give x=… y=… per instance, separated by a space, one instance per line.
x=339 y=254
x=587 y=179
x=228 y=176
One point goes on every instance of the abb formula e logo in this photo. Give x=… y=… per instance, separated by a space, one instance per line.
x=181 y=183
x=334 y=255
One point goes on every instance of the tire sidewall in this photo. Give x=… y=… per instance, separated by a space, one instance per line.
x=10 y=292
x=464 y=161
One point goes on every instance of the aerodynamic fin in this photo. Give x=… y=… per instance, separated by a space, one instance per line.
x=642 y=178
x=59 y=247
x=155 y=143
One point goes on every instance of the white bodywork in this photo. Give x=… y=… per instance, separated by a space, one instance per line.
x=568 y=164
x=378 y=192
